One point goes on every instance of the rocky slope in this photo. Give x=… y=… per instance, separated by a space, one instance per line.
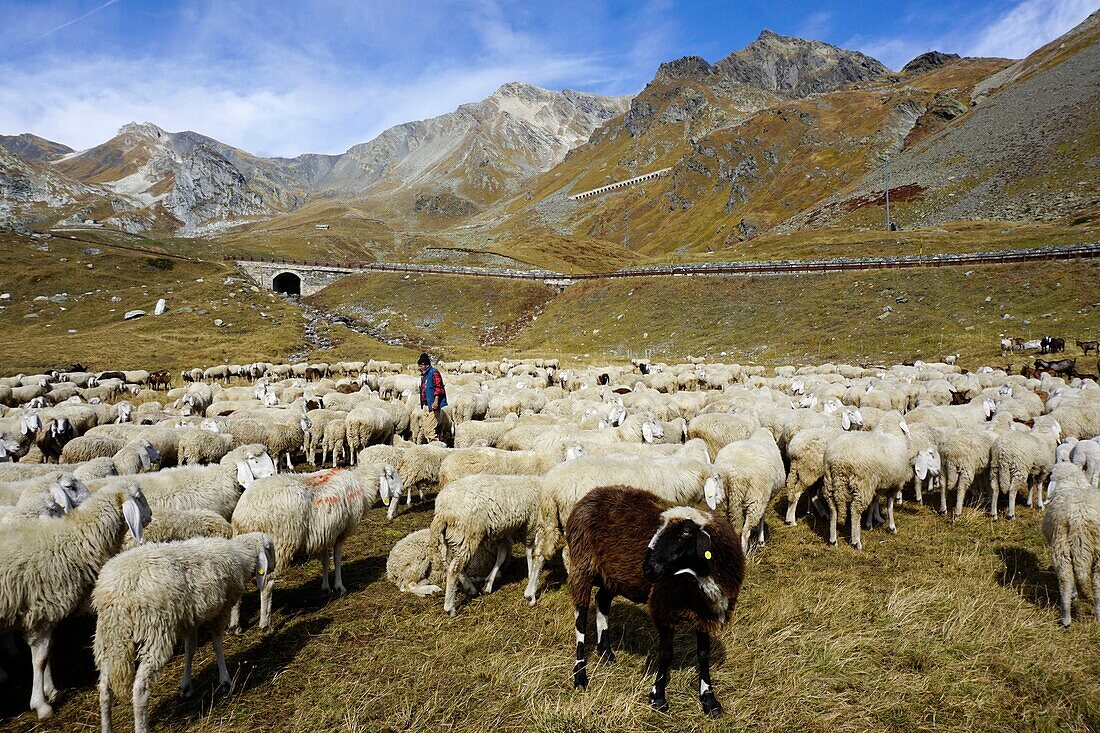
x=33 y=149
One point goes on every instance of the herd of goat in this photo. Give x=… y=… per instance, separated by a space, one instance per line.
x=155 y=507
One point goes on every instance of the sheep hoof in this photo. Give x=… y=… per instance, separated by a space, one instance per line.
x=711 y=707
x=186 y=691
x=607 y=657
x=658 y=703
x=235 y=630
x=892 y=530
x=44 y=710
x=1064 y=623
x=341 y=591
x=1010 y=517
x=580 y=680
x=832 y=542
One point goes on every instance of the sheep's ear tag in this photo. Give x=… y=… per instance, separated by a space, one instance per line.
x=708 y=555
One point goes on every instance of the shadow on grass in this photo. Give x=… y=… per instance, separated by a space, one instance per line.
x=1023 y=573
x=71 y=664
x=249 y=668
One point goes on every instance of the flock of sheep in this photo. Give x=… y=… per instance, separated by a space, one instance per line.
x=154 y=510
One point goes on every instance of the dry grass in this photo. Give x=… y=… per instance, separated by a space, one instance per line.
x=945 y=627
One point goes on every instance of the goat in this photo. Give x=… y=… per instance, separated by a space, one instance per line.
x=1087 y=346
x=688 y=566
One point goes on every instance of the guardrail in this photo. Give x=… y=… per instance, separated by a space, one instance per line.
x=756 y=267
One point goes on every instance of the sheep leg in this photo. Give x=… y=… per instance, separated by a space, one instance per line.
x=1066 y=587
x=47 y=682
x=792 y=505
x=105 y=702
x=219 y=655
x=711 y=706
x=533 y=570
x=40 y=658
x=832 y=520
x=265 y=602
x=918 y=488
x=189 y=643
x=337 y=564
x=580 y=623
x=890 y=515
x=853 y=524
x=1096 y=592
x=943 y=497
x=760 y=532
x=1039 y=490
x=657 y=699
x=235 y=618
x=453 y=572
x=1011 y=513
x=145 y=673
x=603 y=638
x=503 y=549
x=324 y=571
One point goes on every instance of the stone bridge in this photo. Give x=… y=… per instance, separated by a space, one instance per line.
x=619 y=184
x=294 y=278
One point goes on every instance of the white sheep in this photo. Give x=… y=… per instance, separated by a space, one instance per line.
x=48 y=568
x=1019 y=459
x=752 y=473
x=203 y=446
x=414 y=564
x=859 y=467
x=483 y=510
x=417 y=465
x=173 y=525
x=213 y=488
x=964 y=456
x=368 y=425
x=306 y=515
x=1071 y=526
x=148 y=597
x=719 y=429
x=1086 y=455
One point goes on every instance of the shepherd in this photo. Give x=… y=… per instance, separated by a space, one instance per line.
x=433 y=396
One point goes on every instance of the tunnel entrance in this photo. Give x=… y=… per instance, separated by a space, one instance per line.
x=287 y=283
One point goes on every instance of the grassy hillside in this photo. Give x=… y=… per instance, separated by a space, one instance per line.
x=944 y=627
x=257 y=324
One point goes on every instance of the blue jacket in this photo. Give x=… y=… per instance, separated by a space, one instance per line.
x=430 y=383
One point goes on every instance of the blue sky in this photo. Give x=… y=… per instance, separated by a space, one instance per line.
x=282 y=77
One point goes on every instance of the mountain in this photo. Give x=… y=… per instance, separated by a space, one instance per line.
x=474 y=155
x=33 y=149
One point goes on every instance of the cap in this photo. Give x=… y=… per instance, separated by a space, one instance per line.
x=424 y=359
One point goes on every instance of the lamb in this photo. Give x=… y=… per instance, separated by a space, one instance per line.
x=858 y=467
x=1019 y=459
x=148 y=597
x=752 y=474
x=47 y=569
x=482 y=510
x=173 y=525
x=306 y=515
x=1071 y=526
x=688 y=566
x=414 y=566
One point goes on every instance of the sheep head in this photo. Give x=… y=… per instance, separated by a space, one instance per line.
x=680 y=544
x=136 y=511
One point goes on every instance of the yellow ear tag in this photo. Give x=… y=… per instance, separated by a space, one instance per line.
x=707 y=555
x=260 y=571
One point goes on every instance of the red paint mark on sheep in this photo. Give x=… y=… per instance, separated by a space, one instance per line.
x=341 y=499
x=320 y=479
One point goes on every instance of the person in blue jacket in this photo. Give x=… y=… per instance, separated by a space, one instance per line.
x=433 y=396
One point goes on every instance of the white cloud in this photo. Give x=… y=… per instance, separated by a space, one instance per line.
x=1028 y=26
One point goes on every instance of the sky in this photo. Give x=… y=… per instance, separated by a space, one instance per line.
x=284 y=77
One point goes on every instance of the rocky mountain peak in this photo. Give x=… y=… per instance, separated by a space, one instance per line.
x=928 y=61
x=143 y=129
x=33 y=149
x=797 y=67
x=688 y=67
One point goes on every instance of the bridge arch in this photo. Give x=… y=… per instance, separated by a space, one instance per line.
x=287 y=283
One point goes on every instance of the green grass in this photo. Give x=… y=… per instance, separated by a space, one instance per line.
x=942 y=627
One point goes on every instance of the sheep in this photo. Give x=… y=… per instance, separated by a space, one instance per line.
x=806 y=451
x=53 y=436
x=148 y=597
x=483 y=433
x=334 y=442
x=418 y=466
x=482 y=510
x=684 y=478
x=52 y=495
x=1019 y=459
x=686 y=565
x=282 y=439
x=136 y=456
x=1086 y=455
x=47 y=569
x=964 y=456
x=203 y=446
x=87 y=447
x=1071 y=526
x=752 y=474
x=414 y=566
x=858 y=467
x=306 y=515
x=314 y=435
x=718 y=429
x=468 y=461
x=214 y=488
x=173 y=525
